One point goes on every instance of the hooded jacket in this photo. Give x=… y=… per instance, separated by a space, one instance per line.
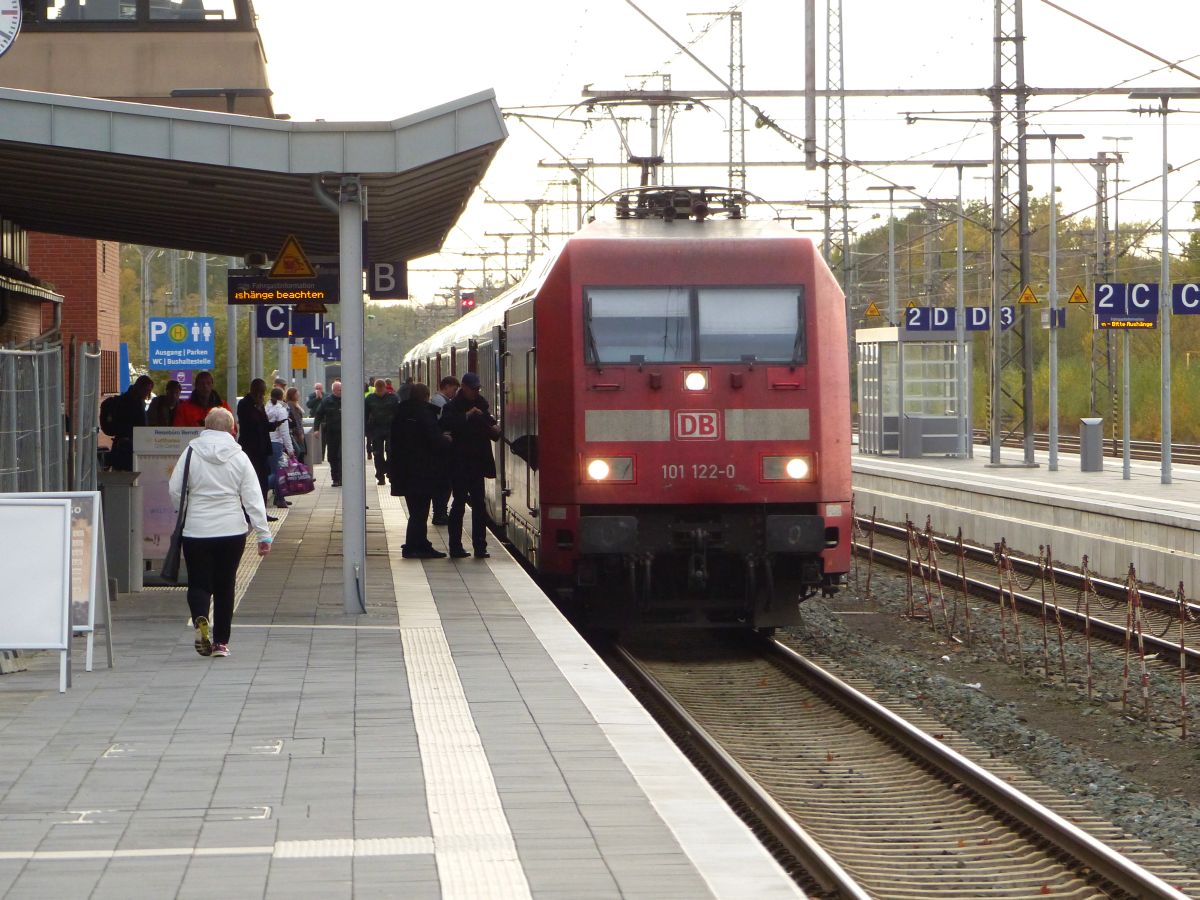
x=221 y=483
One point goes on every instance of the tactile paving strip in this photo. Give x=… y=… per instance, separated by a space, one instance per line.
x=474 y=847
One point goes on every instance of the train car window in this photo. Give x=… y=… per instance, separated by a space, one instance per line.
x=654 y=324
x=95 y=11
x=766 y=323
x=221 y=10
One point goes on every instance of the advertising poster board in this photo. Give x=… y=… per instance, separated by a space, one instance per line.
x=156 y=451
x=89 y=568
x=35 y=609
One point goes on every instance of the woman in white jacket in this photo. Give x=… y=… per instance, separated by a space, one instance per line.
x=222 y=492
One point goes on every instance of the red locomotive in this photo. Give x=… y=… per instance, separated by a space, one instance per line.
x=673 y=389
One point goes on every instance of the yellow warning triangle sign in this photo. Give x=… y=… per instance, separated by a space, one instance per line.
x=291 y=261
x=912 y=304
x=1078 y=296
x=1028 y=296
x=873 y=311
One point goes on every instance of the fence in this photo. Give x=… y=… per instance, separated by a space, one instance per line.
x=88 y=382
x=33 y=447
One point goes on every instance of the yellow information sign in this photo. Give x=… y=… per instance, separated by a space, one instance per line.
x=1028 y=297
x=291 y=261
x=1078 y=296
x=873 y=311
x=299 y=356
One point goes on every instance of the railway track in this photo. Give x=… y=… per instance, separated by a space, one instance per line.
x=1184 y=454
x=875 y=805
x=1105 y=615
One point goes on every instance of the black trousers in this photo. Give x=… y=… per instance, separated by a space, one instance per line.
x=468 y=489
x=379 y=449
x=416 y=537
x=212 y=565
x=441 y=494
x=333 y=443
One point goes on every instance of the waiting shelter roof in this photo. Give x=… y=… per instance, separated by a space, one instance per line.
x=230 y=184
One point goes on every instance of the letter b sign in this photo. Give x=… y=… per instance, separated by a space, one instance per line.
x=389 y=281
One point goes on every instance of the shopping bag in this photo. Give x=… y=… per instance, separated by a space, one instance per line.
x=295 y=478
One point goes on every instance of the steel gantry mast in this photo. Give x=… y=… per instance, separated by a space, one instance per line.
x=836 y=162
x=1011 y=409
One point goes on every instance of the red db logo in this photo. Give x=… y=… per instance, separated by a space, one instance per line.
x=695 y=425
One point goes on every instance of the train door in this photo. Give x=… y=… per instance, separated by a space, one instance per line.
x=488 y=353
x=520 y=425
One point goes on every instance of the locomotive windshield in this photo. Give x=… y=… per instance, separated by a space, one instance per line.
x=686 y=325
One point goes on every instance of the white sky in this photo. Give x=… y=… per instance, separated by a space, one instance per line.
x=380 y=60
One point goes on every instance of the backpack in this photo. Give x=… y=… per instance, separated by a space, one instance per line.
x=110 y=414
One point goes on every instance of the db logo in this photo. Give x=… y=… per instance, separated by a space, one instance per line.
x=694 y=425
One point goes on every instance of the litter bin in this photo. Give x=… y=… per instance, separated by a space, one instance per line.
x=1091 y=445
x=121 y=501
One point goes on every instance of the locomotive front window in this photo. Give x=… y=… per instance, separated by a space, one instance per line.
x=764 y=323
x=651 y=325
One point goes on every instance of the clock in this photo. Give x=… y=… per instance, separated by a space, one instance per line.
x=10 y=23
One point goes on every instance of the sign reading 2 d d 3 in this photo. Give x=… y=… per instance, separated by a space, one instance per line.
x=1132 y=305
x=182 y=343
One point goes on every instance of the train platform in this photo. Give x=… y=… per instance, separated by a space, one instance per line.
x=1114 y=521
x=459 y=739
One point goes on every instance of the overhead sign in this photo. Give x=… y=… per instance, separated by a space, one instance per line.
x=182 y=342
x=310 y=307
x=1077 y=295
x=388 y=281
x=1028 y=297
x=1054 y=318
x=1185 y=299
x=306 y=324
x=1133 y=305
x=257 y=290
x=273 y=321
x=944 y=318
x=291 y=261
x=873 y=311
x=299 y=356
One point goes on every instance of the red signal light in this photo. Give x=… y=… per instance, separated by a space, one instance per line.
x=467 y=303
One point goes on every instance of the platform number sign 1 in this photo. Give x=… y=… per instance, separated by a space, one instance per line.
x=10 y=23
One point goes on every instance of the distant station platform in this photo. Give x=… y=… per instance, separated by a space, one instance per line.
x=1114 y=521
x=458 y=739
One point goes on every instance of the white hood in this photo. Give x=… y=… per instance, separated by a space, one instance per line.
x=215 y=446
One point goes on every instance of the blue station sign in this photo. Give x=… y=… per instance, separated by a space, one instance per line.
x=945 y=318
x=182 y=343
x=1185 y=299
x=1132 y=305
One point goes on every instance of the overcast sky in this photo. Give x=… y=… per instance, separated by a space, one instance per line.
x=380 y=60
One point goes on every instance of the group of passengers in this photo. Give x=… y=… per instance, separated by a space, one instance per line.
x=429 y=447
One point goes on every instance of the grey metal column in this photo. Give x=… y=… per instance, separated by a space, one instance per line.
x=354 y=461
x=1164 y=309
x=231 y=346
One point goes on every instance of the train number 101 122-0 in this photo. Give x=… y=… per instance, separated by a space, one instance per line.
x=699 y=471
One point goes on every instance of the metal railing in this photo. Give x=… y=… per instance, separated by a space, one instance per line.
x=33 y=444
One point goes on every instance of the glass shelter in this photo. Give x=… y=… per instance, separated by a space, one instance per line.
x=914 y=394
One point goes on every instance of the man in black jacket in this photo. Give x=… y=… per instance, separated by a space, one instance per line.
x=468 y=419
x=379 y=408
x=328 y=423
x=416 y=447
x=131 y=414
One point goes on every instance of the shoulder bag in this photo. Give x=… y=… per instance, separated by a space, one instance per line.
x=170 y=566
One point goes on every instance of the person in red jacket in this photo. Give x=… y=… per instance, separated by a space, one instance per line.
x=190 y=413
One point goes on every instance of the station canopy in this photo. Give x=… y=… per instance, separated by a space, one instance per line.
x=229 y=184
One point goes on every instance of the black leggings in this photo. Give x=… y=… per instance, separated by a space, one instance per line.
x=212 y=565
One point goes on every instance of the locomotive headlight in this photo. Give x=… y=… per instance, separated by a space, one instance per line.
x=608 y=468
x=598 y=469
x=787 y=468
x=696 y=380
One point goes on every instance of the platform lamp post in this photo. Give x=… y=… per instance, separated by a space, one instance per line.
x=1125 y=473
x=960 y=314
x=1053 y=139
x=891 y=189
x=1164 y=281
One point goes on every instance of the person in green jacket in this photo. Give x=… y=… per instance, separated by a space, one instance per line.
x=380 y=409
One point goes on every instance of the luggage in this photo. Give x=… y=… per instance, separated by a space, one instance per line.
x=294 y=478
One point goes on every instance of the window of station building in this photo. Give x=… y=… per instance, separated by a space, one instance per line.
x=90 y=14
x=650 y=325
x=763 y=323
x=14 y=245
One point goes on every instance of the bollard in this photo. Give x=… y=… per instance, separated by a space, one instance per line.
x=1091 y=445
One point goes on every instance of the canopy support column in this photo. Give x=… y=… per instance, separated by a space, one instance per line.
x=354 y=463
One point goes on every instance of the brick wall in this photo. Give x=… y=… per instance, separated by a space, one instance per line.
x=88 y=275
x=24 y=320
